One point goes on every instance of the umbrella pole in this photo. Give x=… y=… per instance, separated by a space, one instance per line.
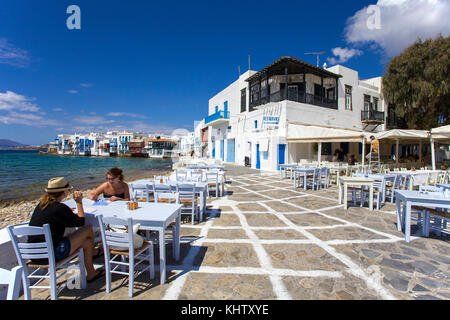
x=363 y=158
x=319 y=152
x=433 y=160
x=396 y=151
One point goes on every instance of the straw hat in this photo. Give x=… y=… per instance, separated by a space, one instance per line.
x=57 y=185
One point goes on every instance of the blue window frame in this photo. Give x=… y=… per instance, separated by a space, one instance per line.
x=256 y=124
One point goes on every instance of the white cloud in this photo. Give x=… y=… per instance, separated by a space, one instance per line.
x=72 y=91
x=402 y=22
x=343 y=55
x=58 y=109
x=13 y=56
x=92 y=120
x=28 y=119
x=86 y=85
x=13 y=101
x=126 y=114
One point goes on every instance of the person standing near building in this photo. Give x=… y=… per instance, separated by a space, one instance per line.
x=374 y=145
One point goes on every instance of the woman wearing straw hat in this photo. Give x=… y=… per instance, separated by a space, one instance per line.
x=59 y=216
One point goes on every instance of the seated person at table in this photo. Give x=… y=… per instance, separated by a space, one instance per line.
x=352 y=160
x=59 y=216
x=114 y=188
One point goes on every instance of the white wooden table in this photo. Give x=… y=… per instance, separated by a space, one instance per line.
x=344 y=182
x=200 y=188
x=151 y=216
x=411 y=198
x=443 y=186
x=285 y=167
x=298 y=171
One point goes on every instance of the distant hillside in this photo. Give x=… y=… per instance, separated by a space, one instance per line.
x=5 y=144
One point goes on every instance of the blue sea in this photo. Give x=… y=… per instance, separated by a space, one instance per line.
x=24 y=174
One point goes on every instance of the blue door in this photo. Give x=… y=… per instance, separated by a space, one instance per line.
x=222 y=145
x=230 y=150
x=214 y=151
x=225 y=109
x=281 y=154
x=258 y=160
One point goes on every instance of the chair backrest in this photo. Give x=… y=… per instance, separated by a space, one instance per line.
x=38 y=250
x=161 y=187
x=212 y=176
x=140 y=191
x=181 y=175
x=430 y=189
x=406 y=180
x=186 y=191
x=196 y=175
x=378 y=184
x=114 y=238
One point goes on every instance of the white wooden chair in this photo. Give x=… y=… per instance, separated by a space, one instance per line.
x=117 y=260
x=378 y=192
x=390 y=190
x=196 y=175
x=181 y=175
x=187 y=197
x=28 y=253
x=314 y=179
x=13 y=279
x=212 y=180
x=141 y=191
x=324 y=177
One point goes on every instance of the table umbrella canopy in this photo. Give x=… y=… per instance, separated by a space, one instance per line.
x=403 y=134
x=302 y=133
x=441 y=133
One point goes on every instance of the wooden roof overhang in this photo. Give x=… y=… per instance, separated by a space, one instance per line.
x=294 y=66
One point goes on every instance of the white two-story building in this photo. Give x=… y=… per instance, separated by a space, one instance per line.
x=292 y=110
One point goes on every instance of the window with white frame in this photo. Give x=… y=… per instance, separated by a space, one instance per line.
x=348 y=98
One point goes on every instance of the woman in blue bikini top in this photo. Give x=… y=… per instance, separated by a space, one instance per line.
x=114 y=188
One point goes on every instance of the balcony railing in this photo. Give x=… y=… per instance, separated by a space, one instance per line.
x=297 y=97
x=216 y=116
x=372 y=115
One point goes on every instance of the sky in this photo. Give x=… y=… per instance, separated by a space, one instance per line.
x=152 y=66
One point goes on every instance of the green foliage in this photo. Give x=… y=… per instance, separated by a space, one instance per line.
x=417 y=83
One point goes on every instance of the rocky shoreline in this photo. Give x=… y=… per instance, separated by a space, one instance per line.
x=19 y=210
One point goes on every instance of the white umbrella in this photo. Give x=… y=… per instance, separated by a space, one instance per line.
x=440 y=134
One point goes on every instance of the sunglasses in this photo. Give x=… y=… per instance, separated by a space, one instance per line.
x=111 y=179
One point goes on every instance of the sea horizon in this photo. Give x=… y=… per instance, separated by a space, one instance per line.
x=24 y=173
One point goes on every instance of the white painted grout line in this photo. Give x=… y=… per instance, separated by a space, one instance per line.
x=275 y=274
x=353 y=267
x=174 y=290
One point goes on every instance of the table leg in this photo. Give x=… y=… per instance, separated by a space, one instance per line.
x=371 y=197
x=305 y=185
x=202 y=204
x=162 y=254
x=399 y=214
x=408 y=222
x=345 y=195
x=340 y=192
x=176 y=237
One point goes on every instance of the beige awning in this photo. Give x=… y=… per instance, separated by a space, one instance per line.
x=441 y=133
x=404 y=134
x=305 y=133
